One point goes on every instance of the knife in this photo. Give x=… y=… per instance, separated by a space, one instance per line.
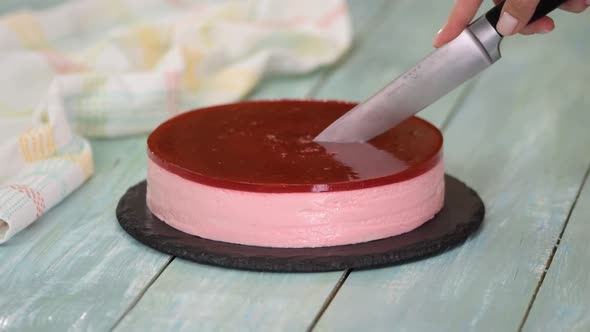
x=446 y=68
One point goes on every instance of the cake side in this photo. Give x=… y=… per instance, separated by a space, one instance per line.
x=300 y=219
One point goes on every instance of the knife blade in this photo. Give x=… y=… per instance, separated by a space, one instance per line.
x=446 y=68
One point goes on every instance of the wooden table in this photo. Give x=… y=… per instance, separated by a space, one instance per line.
x=519 y=134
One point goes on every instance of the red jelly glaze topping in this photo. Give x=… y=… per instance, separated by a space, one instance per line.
x=267 y=146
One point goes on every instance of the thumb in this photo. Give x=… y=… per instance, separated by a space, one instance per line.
x=515 y=16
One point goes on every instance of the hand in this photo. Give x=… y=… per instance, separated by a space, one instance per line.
x=514 y=18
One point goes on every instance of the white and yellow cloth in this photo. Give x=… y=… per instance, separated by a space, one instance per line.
x=100 y=68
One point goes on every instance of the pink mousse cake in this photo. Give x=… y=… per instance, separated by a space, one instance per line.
x=250 y=173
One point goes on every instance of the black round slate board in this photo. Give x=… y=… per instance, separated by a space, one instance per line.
x=462 y=215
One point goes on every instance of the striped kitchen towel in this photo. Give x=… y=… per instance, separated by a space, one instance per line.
x=105 y=68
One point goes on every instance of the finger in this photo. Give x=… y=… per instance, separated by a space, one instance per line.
x=542 y=25
x=461 y=15
x=575 y=6
x=515 y=16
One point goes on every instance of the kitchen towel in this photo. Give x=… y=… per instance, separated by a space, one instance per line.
x=107 y=68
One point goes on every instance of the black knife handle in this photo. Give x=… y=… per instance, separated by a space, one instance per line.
x=543 y=8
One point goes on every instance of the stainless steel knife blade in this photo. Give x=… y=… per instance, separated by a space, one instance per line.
x=449 y=66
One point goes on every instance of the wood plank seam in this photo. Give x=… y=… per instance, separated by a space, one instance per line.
x=329 y=299
x=142 y=293
x=554 y=251
x=458 y=104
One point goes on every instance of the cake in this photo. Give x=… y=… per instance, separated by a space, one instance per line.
x=250 y=173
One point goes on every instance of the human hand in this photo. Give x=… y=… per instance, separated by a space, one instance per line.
x=514 y=18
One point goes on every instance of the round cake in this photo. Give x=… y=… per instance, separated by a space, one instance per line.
x=250 y=173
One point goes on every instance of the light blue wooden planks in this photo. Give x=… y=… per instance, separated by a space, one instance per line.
x=518 y=140
x=563 y=302
x=193 y=297
x=74 y=269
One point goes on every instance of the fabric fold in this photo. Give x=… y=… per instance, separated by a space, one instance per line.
x=96 y=68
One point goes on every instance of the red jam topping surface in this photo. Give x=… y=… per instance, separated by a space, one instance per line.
x=267 y=146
